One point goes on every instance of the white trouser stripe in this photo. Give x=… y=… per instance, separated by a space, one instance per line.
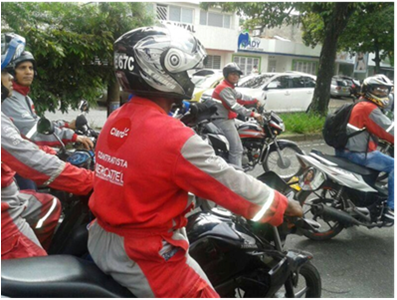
x=265 y=207
x=233 y=106
x=391 y=127
x=42 y=220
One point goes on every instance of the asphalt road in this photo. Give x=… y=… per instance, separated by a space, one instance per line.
x=357 y=263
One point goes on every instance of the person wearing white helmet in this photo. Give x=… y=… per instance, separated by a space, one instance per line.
x=367 y=116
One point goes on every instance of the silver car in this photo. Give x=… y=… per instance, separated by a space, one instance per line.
x=339 y=88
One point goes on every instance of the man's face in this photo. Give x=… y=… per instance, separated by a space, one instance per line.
x=24 y=73
x=6 y=81
x=233 y=77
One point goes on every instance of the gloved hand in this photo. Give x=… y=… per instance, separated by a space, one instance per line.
x=294 y=209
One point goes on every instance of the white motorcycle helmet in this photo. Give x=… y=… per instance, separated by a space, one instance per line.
x=153 y=61
x=377 y=89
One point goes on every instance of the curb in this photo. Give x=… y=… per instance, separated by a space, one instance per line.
x=302 y=137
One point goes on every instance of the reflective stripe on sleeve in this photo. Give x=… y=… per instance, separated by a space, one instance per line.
x=265 y=207
x=32 y=131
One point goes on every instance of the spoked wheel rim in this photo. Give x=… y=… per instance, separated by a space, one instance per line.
x=285 y=166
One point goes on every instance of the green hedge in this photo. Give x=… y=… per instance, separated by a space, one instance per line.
x=303 y=122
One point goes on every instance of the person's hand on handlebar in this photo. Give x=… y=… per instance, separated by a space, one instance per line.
x=258 y=117
x=294 y=209
x=85 y=141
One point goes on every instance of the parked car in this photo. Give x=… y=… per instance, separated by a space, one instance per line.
x=339 y=88
x=203 y=83
x=204 y=72
x=284 y=92
x=354 y=85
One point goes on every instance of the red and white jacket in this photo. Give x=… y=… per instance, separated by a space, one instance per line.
x=147 y=162
x=26 y=158
x=20 y=108
x=366 y=114
x=232 y=101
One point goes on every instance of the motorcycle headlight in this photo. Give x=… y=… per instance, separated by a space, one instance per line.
x=311 y=179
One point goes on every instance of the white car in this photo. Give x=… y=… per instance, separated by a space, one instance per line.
x=284 y=92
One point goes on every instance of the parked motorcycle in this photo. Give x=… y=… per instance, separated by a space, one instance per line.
x=340 y=194
x=241 y=259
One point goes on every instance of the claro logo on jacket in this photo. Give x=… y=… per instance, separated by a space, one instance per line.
x=119 y=133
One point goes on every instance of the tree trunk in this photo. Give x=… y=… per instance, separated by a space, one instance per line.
x=113 y=95
x=377 y=57
x=334 y=26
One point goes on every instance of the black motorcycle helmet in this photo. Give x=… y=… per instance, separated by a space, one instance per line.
x=230 y=68
x=153 y=61
x=25 y=56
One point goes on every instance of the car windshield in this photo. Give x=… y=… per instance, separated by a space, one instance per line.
x=203 y=82
x=256 y=81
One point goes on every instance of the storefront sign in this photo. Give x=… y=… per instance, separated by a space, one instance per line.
x=245 y=42
x=189 y=27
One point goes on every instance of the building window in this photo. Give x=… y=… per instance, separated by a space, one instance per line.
x=162 y=12
x=213 y=62
x=215 y=19
x=246 y=63
x=305 y=66
x=175 y=13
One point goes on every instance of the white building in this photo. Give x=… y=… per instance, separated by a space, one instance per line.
x=278 y=49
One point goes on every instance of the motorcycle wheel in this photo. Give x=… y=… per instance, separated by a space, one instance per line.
x=291 y=166
x=306 y=283
x=328 y=229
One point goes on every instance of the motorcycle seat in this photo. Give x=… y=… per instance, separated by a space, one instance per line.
x=346 y=164
x=57 y=276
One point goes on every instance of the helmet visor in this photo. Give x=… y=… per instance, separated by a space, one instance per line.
x=381 y=91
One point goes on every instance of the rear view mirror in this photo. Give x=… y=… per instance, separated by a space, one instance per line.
x=84 y=106
x=45 y=126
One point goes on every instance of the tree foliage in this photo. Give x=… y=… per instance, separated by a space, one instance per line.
x=334 y=25
x=72 y=44
x=370 y=29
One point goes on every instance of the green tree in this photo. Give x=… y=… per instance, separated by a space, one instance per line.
x=334 y=16
x=73 y=46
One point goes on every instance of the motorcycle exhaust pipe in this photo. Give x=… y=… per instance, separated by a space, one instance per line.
x=333 y=214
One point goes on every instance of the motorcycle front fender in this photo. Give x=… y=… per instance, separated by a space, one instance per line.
x=273 y=147
x=280 y=273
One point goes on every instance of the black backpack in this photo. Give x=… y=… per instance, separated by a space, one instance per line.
x=334 y=130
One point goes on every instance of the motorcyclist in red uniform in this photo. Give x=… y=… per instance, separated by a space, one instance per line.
x=147 y=162
x=232 y=104
x=20 y=108
x=28 y=219
x=368 y=118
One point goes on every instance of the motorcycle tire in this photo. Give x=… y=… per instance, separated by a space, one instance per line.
x=329 y=229
x=308 y=285
x=293 y=167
